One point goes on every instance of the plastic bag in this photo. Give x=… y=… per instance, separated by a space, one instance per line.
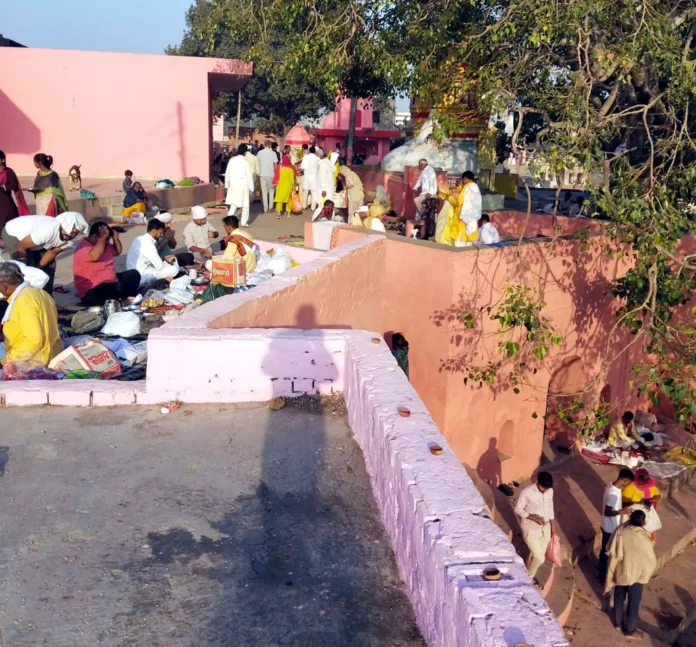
x=281 y=261
x=122 y=324
x=296 y=206
x=553 y=551
x=24 y=371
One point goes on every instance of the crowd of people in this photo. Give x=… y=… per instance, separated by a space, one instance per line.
x=628 y=528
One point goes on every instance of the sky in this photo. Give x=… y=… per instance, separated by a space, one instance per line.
x=141 y=27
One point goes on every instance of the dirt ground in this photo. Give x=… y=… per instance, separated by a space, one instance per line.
x=217 y=526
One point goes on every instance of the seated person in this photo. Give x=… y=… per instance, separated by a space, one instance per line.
x=488 y=234
x=167 y=243
x=96 y=281
x=642 y=489
x=622 y=433
x=239 y=243
x=143 y=257
x=135 y=200
x=324 y=212
x=375 y=214
x=30 y=323
x=199 y=235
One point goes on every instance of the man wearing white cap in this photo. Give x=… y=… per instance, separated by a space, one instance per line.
x=200 y=234
x=37 y=240
x=239 y=183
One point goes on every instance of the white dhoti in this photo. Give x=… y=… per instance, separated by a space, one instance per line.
x=310 y=186
x=167 y=271
x=238 y=198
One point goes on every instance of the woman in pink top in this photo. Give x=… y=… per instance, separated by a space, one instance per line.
x=96 y=280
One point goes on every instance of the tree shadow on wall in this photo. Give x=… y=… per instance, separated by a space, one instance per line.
x=572 y=272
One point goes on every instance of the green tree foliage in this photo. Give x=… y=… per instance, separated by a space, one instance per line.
x=277 y=97
x=612 y=87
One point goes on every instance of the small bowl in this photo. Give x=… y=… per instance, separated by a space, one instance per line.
x=376 y=340
x=491 y=574
x=435 y=450
x=404 y=412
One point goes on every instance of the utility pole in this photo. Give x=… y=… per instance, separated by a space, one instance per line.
x=239 y=117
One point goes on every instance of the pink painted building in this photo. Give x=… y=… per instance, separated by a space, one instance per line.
x=371 y=139
x=109 y=111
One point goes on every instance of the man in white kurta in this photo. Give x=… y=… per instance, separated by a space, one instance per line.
x=471 y=210
x=239 y=184
x=144 y=257
x=310 y=169
x=326 y=178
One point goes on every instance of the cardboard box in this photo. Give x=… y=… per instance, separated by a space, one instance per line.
x=230 y=272
x=91 y=356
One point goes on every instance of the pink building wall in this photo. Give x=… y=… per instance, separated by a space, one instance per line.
x=340 y=118
x=109 y=111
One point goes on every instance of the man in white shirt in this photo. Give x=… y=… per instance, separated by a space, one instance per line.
x=537 y=520
x=471 y=210
x=427 y=185
x=310 y=169
x=612 y=509
x=267 y=163
x=144 y=257
x=487 y=234
x=239 y=183
x=199 y=234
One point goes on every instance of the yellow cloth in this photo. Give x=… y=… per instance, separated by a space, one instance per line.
x=231 y=250
x=453 y=228
x=680 y=455
x=618 y=432
x=138 y=206
x=631 y=557
x=636 y=494
x=286 y=180
x=31 y=333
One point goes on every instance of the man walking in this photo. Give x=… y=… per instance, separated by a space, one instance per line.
x=612 y=511
x=250 y=157
x=310 y=169
x=267 y=163
x=239 y=184
x=537 y=519
x=632 y=562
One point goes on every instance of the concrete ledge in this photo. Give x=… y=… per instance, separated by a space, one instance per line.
x=439 y=525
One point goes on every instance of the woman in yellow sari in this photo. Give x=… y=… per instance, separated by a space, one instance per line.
x=448 y=224
x=286 y=181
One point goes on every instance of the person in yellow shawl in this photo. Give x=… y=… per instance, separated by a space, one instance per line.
x=30 y=323
x=352 y=185
x=447 y=224
x=239 y=243
x=286 y=182
x=470 y=213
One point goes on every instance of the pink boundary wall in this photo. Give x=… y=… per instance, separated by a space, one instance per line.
x=87 y=108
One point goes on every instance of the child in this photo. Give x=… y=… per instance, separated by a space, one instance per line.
x=128 y=182
x=400 y=351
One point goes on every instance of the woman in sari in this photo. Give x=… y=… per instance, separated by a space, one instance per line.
x=50 y=197
x=352 y=185
x=135 y=200
x=286 y=182
x=9 y=184
x=447 y=226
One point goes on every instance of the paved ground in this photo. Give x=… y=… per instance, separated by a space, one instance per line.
x=212 y=526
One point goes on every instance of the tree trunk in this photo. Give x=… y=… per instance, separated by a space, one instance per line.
x=351 y=128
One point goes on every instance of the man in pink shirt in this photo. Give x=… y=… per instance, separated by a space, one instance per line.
x=96 y=280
